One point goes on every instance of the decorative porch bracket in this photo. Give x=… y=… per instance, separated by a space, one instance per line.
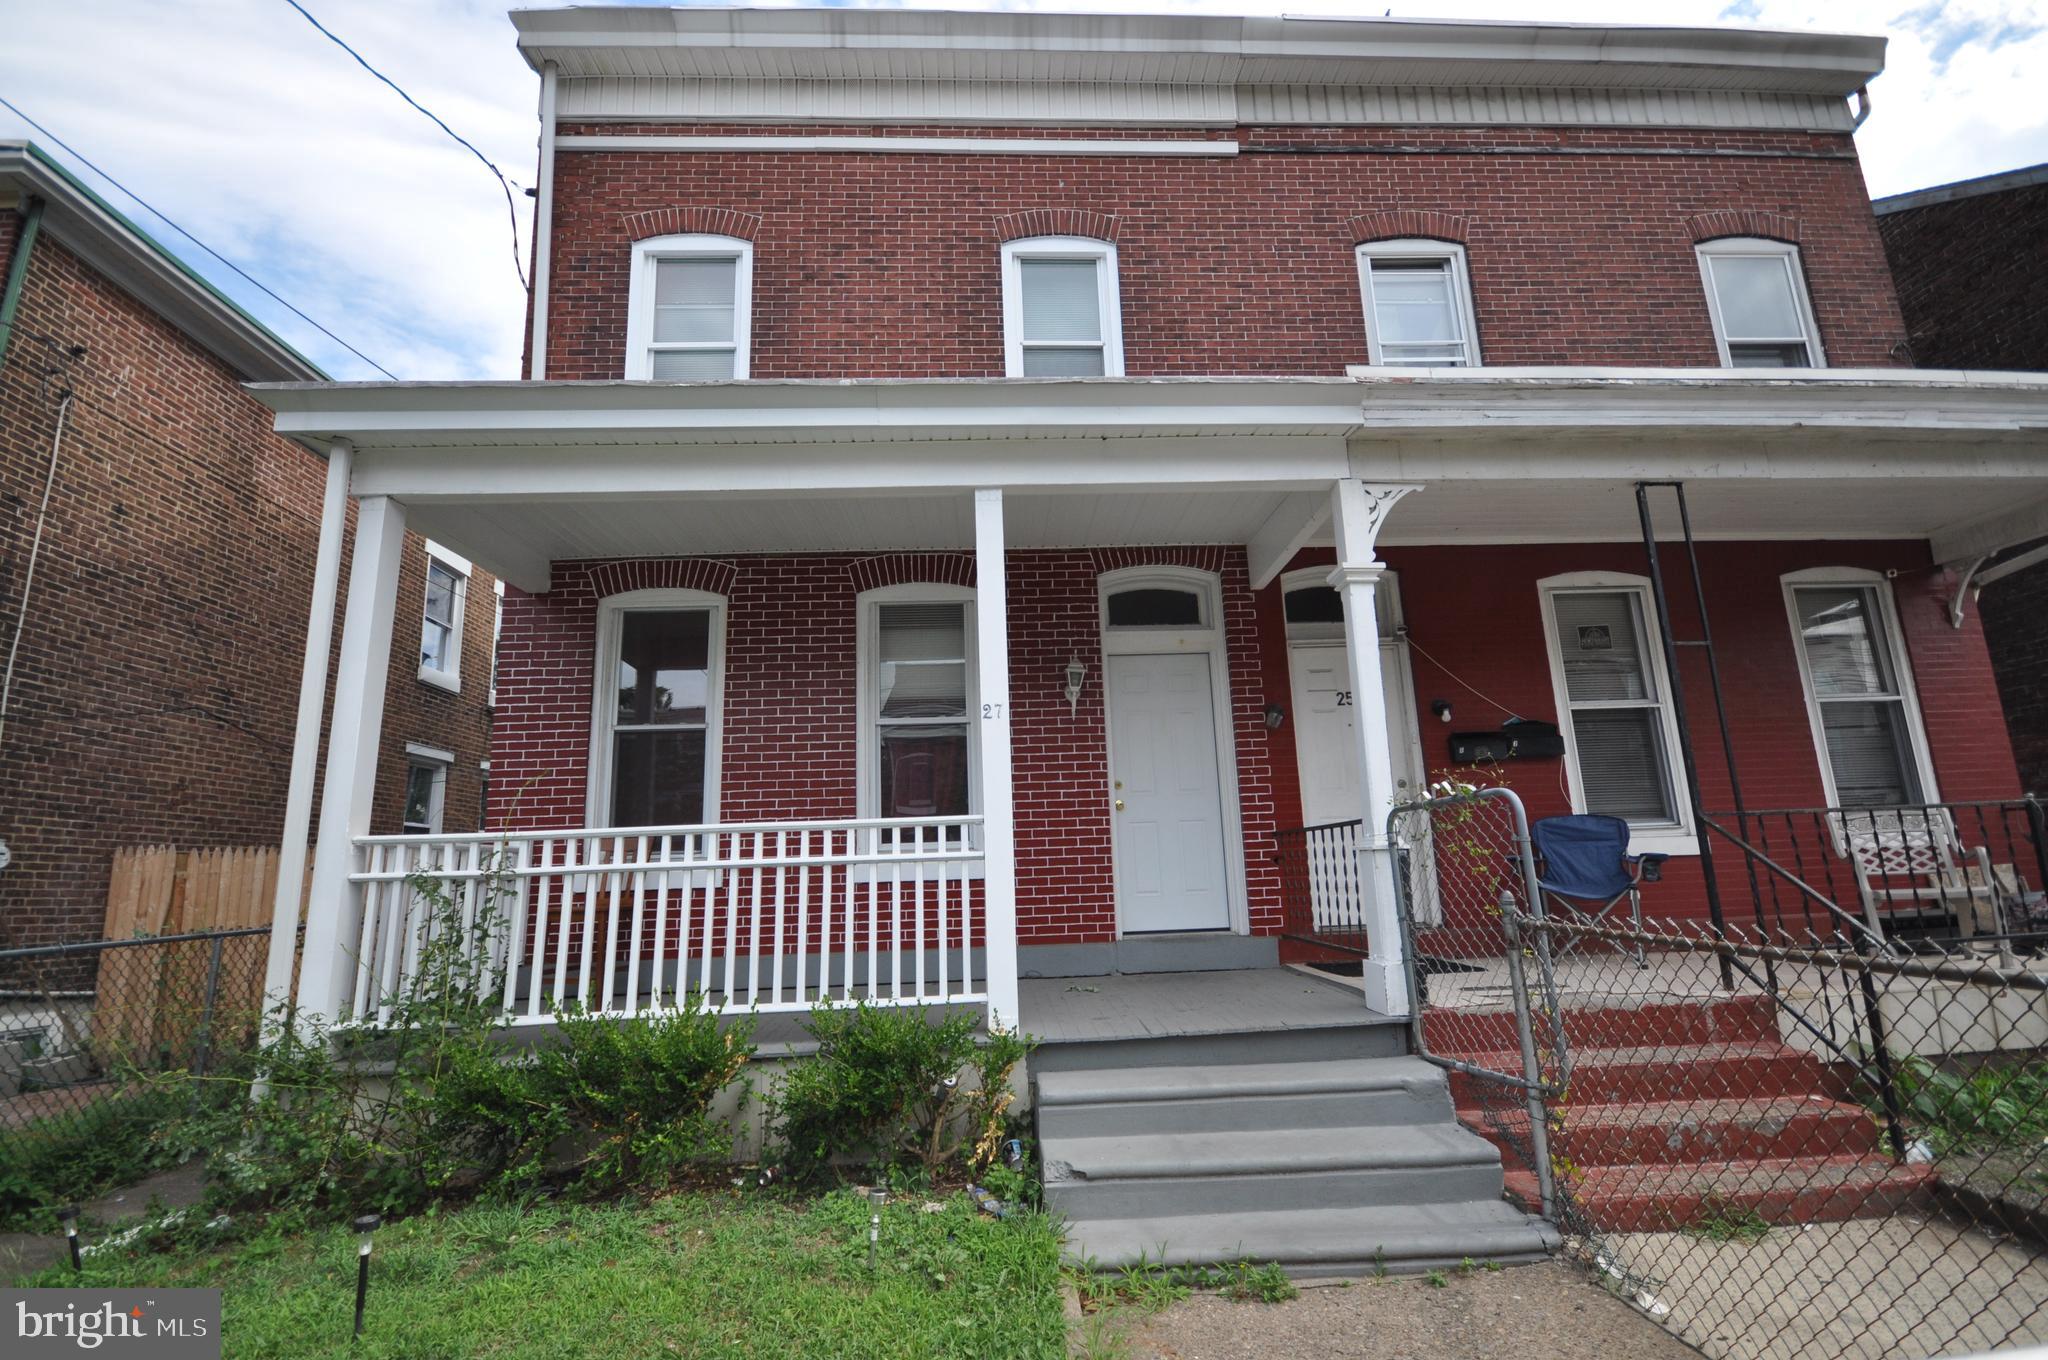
x=999 y=827
x=1358 y=511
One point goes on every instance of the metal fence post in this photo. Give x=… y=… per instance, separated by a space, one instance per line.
x=203 y=1047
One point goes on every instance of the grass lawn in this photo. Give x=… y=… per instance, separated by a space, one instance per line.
x=698 y=1274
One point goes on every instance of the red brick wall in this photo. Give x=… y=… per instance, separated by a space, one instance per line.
x=1580 y=244
x=157 y=688
x=1475 y=609
x=1972 y=278
x=789 y=735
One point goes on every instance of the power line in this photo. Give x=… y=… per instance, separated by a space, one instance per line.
x=511 y=208
x=243 y=273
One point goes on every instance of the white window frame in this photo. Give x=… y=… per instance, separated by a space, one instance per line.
x=647 y=255
x=868 y=706
x=1879 y=586
x=439 y=762
x=497 y=636
x=1708 y=251
x=449 y=677
x=1676 y=837
x=1107 y=282
x=611 y=613
x=1420 y=248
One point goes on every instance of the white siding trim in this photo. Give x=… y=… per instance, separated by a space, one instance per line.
x=910 y=146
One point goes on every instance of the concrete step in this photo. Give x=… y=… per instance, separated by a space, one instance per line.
x=1733 y=1069
x=1331 y=1241
x=1715 y=1020
x=1787 y=1191
x=1367 y=1037
x=1173 y=1174
x=1337 y=1093
x=1688 y=1131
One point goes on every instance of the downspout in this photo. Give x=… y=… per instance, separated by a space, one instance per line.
x=1862 y=107
x=17 y=271
x=543 y=224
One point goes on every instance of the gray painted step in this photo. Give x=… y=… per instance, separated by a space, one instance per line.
x=1319 y=1043
x=1200 y=1173
x=1335 y=1093
x=1340 y=1241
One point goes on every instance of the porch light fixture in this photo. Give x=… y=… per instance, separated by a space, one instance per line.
x=1275 y=716
x=1077 y=676
x=1442 y=709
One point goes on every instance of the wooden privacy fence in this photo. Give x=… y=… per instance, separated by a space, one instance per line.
x=151 y=1004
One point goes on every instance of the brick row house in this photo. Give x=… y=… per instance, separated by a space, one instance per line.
x=984 y=481
x=1971 y=263
x=156 y=554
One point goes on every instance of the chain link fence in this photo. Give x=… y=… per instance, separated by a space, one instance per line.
x=1818 y=1141
x=89 y=1031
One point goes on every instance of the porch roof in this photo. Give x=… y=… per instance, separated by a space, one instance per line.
x=520 y=473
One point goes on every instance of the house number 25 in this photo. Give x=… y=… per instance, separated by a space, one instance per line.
x=1343 y=698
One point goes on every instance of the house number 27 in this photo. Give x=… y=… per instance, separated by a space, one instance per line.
x=991 y=712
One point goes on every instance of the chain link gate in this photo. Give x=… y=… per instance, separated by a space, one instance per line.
x=1465 y=876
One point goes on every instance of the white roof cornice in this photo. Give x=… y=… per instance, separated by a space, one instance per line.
x=918 y=45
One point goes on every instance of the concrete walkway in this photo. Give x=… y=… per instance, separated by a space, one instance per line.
x=1544 y=1310
x=178 y=1188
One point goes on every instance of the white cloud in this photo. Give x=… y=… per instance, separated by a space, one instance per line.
x=243 y=123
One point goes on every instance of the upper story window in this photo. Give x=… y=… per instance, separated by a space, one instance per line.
x=1418 y=304
x=1756 y=293
x=1865 y=723
x=1061 y=317
x=1614 y=706
x=689 y=309
x=441 y=618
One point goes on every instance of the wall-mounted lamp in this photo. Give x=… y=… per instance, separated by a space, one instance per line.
x=1442 y=709
x=1077 y=676
x=1275 y=716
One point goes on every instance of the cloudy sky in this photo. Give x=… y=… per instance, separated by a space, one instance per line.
x=246 y=126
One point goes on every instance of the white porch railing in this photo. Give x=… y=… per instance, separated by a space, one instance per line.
x=769 y=916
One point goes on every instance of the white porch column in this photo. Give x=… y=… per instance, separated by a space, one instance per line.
x=332 y=927
x=998 y=824
x=298 y=797
x=1358 y=509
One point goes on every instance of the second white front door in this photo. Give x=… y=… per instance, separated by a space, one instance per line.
x=1167 y=792
x=1326 y=750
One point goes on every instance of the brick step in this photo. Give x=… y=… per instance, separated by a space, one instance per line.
x=1680 y=1132
x=1735 y=1017
x=1781 y=1191
x=1735 y=1069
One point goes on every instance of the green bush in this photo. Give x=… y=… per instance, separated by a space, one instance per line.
x=884 y=1085
x=114 y=1141
x=640 y=1090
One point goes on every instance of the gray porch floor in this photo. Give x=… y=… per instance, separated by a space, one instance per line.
x=1162 y=1005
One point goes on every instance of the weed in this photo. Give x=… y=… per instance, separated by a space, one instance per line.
x=1436 y=1279
x=1723 y=1220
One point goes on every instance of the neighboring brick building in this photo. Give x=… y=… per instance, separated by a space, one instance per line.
x=1971 y=263
x=154 y=693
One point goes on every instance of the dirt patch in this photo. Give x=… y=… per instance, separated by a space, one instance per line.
x=1548 y=1309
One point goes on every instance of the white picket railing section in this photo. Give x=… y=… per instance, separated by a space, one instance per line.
x=769 y=916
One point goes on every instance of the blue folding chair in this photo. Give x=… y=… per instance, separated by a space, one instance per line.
x=1584 y=860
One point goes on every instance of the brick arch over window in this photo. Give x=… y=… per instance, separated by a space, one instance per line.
x=1396 y=224
x=1056 y=222
x=903 y=569
x=662 y=573
x=693 y=221
x=1721 y=222
x=1211 y=559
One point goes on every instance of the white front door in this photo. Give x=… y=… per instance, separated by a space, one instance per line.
x=1326 y=753
x=1168 y=794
